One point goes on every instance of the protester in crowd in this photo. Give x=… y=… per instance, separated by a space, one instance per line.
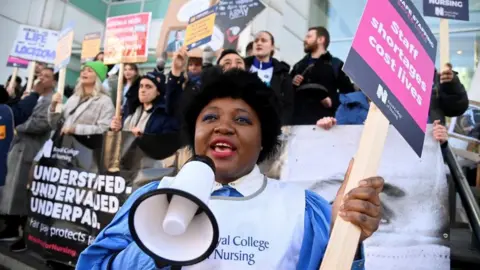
x=273 y=72
x=230 y=59
x=145 y=109
x=22 y=109
x=159 y=69
x=30 y=137
x=89 y=110
x=99 y=57
x=249 y=49
x=353 y=109
x=194 y=69
x=318 y=78
x=235 y=121
x=449 y=98
x=184 y=78
x=13 y=95
x=39 y=66
x=208 y=57
x=111 y=82
x=130 y=75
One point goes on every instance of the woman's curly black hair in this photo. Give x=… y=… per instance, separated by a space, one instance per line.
x=239 y=84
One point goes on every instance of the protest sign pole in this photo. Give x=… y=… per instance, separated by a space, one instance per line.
x=14 y=77
x=344 y=238
x=117 y=136
x=62 y=73
x=118 y=106
x=444 y=43
x=31 y=75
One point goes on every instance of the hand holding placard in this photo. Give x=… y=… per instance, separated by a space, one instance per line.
x=179 y=60
x=391 y=60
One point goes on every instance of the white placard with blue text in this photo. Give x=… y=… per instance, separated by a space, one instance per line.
x=35 y=44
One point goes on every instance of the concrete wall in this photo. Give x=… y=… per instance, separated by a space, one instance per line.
x=288 y=21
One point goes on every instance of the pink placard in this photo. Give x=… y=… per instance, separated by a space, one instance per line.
x=17 y=62
x=390 y=48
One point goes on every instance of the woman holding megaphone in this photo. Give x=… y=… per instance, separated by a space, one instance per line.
x=263 y=223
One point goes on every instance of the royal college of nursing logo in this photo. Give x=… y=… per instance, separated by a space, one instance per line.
x=439 y=11
x=61 y=153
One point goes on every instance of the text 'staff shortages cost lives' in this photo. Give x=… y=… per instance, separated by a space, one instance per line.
x=392 y=60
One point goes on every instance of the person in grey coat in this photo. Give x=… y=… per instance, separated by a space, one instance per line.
x=89 y=110
x=30 y=137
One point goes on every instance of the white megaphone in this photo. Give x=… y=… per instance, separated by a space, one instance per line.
x=174 y=225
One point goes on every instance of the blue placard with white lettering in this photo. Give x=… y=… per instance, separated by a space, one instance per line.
x=446 y=9
x=35 y=44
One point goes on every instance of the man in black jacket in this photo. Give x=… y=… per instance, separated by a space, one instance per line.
x=318 y=78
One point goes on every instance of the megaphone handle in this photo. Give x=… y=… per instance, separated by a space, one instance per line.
x=161 y=265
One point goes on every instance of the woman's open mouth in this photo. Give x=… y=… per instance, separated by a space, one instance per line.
x=222 y=149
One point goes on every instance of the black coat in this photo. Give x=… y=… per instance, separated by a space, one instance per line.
x=281 y=83
x=448 y=99
x=308 y=107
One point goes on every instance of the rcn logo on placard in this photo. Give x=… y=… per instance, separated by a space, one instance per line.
x=439 y=11
x=382 y=94
x=61 y=153
x=46 y=150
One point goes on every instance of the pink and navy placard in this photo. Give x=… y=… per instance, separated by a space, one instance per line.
x=392 y=60
x=447 y=9
x=17 y=62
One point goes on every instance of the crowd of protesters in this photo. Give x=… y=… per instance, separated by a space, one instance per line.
x=314 y=92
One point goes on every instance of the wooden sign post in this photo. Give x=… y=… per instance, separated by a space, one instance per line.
x=118 y=103
x=61 y=87
x=444 y=43
x=377 y=67
x=344 y=237
x=117 y=136
x=13 y=78
x=31 y=76
x=126 y=41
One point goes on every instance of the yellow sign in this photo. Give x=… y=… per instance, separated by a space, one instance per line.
x=91 y=46
x=200 y=28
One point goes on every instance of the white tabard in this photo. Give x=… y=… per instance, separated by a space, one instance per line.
x=263 y=230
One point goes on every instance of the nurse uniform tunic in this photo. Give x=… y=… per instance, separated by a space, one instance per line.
x=264 y=224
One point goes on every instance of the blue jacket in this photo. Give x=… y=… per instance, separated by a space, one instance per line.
x=21 y=108
x=353 y=109
x=115 y=249
x=6 y=138
x=160 y=121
